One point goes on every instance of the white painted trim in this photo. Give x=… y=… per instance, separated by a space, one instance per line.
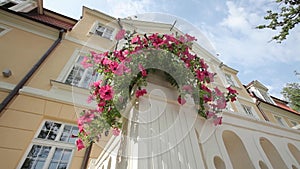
x=6 y=29
x=4 y=86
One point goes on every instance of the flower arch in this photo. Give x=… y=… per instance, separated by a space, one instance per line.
x=191 y=76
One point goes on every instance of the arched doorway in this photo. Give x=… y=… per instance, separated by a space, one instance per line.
x=236 y=150
x=272 y=154
x=295 y=152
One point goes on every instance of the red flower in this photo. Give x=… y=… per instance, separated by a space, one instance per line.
x=218 y=121
x=86 y=62
x=116 y=131
x=210 y=114
x=135 y=40
x=231 y=91
x=139 y=93
x=106 y=92
x=79 y=144
x=142 y=69
x=181 y=101
x=218 y=92
x=120 y=34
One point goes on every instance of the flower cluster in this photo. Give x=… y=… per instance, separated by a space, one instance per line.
x=131 y=62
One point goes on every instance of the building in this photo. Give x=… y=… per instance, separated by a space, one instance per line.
x=39 y=109
x=273 y=109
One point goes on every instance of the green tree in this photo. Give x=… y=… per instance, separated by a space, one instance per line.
x=285 y=19
x=291 y=92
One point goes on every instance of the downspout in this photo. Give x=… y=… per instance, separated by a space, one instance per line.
x=262 y=112
x=86 y=156
x=15 y=91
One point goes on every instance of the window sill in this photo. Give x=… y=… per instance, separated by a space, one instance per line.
x=67 y=87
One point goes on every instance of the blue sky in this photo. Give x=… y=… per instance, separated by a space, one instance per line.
x=229 y=27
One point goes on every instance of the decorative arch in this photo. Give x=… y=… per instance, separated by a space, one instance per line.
x=219 y=163
x=236 y=150
x=272 y=154
x=295 y=152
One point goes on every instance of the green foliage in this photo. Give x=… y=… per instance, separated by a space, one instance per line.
x=291 y=92
x=285 y=19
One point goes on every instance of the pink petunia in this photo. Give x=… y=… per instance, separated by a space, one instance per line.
x=187 y=88
x=221 y=103
x=210 y=114
x=218 y=121
x=135 y=40
x=142 y=69
x=218 y=92
x=231 y=91
x=116 y=132
x=106 y=92
x=140 y=93
x=121 y=69
x=79 y=144
x=120 y=35
x=181 y=100
x=86 y=62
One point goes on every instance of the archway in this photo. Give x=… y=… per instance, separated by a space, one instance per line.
x=219 y=163
x=295 y=152
x=236 y=150
x=272 y=154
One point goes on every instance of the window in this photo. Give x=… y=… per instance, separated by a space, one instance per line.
x=248 y=110
x=52 y=147
x=265 y=96
x=80 y=76
x=280 y=120
x=229 y=79
x=103 y=31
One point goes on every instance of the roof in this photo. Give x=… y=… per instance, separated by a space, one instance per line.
x=52 y=19
x=282 y=105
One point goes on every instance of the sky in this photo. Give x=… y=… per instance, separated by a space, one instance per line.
x=227 y=29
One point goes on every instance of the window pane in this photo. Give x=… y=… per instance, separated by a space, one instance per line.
x=66 y=155
x=44 y=152
x=39 y=164
x=53 y=165
x=27 y=164
x=34 y=151
x=62 y=166
x=49 y=130
x=57 y=154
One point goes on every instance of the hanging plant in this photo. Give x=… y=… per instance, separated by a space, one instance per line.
x=125 y=73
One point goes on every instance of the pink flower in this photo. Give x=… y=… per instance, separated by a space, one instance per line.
x=187 y=88
x=97 y=83
x=116 y=131
x=90 y=99
x=121 y=69
x=87 y=117
x=120 y=35
x=86 y=62
x=218 y=121
x=221 y=103
x=200 y=75
x=142 y=69
x=181 y=101
x=113 y=66
x=79 y=144
x=218 y=92
x=106 y=92
x=231 y=91
x=139 y=93
x=210 y=114
x=136 y=40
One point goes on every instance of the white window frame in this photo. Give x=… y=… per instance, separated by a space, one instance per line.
x=265 y=96
x=6 y=29
x=104 y=31
x=282 y=121
x=230 y=80
x=249 y=111
x=52 y=143
x=69 y=67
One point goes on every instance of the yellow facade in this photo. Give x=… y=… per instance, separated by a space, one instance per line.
x=46 y=96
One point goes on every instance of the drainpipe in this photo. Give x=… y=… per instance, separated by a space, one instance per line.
x=262 y=112
x=86 y=157
x=15 y=91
